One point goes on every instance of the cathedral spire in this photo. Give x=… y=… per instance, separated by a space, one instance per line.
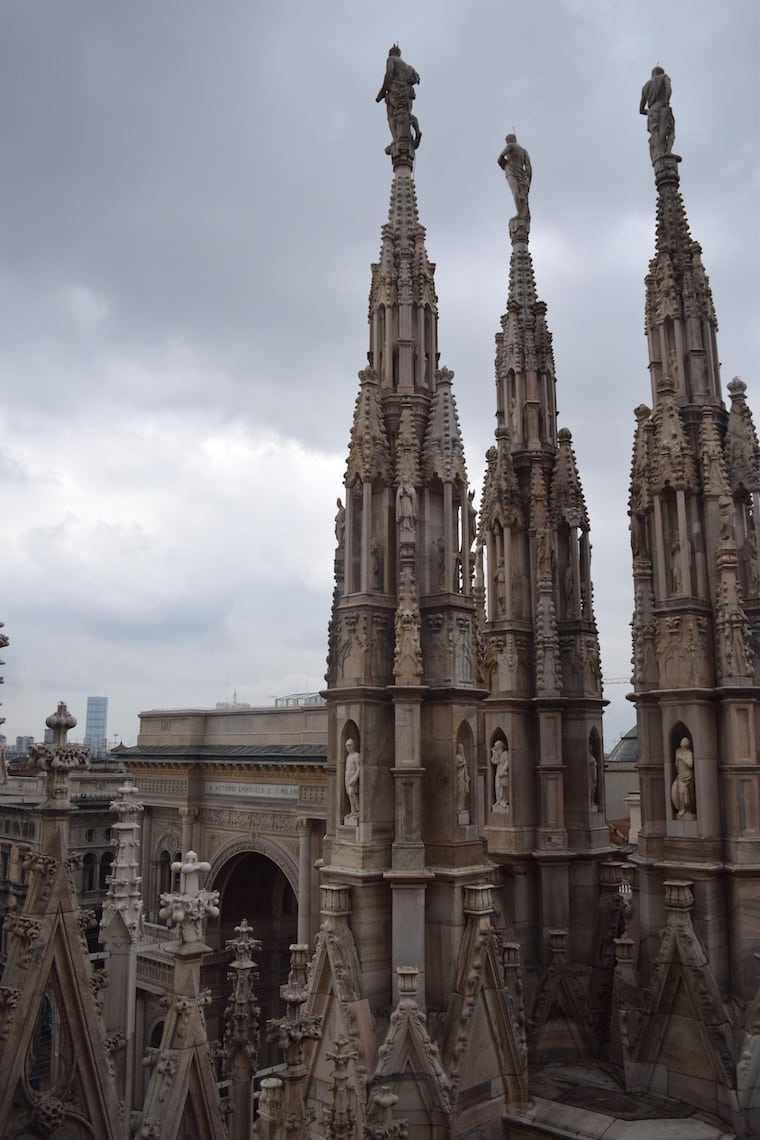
x=681 y=326
x=696 y=625
x=539 y=646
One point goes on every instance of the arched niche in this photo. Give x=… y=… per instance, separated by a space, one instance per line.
x=500 y=781
x=595 y=769
x=464 y=774
x=350 y=775
x=683 y=793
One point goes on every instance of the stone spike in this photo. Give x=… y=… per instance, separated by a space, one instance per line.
x=443 y=452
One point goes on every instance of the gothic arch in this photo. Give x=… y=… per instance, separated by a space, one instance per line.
x=259 y=846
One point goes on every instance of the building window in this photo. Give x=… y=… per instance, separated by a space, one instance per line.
x=105 y=869
x=88 y=873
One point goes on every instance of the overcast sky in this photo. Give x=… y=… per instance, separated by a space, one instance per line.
x=192 y=194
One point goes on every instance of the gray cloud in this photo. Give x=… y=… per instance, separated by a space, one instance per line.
x=192 y=198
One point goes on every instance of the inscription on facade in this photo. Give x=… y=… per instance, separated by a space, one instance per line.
x=251 y=791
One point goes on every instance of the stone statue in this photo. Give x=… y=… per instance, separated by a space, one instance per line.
x=500 y=761
x=655 y=104
x=682 y=792
x=406 y=509
x=463 y=779
x=340 y=523
x=398 y=92
x=515 y=162
x=351 y=779
x=593 y=776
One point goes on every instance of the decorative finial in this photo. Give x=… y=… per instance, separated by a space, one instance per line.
x=187 y=908
x=57 y=758
x=514 y=160
x=398 y=92
x=655 y=104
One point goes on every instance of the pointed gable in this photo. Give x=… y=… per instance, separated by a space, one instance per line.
x=442 y=451
x=49 y=989
x=368 y=454
x=567 y=502
x=742 y=450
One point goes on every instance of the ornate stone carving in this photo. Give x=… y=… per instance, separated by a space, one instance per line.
x=500 y=762
x=515 y=162
x=407 y=665
x=339 y=1118
x=398 y=92
x=683 y=792
x=57 y=758
x=241 y=1017
x=186 y=909
x=352 y=779
x=25 y=931
x=655 y=104
x=9 y=997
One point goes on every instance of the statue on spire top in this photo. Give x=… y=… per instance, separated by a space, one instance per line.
x=514 y=160
x=655 y=104
x=398 y=92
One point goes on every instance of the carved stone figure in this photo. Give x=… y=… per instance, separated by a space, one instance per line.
x=682 y=792
x=374 y=557
x=639 y=544
x=463 y=778
x=593 y=777
x=351 y=780
x=500 y=761
x=406 y=510
x=340 y=524
x=398 y=92
x=675 y=566
x=655 y=104
x=515 y=162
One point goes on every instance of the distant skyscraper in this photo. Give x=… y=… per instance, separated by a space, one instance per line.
x=95 y=733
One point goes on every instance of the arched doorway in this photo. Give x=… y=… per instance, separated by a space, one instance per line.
x=252 y=886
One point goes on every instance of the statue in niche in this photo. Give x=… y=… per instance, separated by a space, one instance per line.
x=569 y=592
x=340 y=524
x=441 y=549
x=351 y=780
x=655 y=104
x=408 y=658
x=515 y=162
x=472 y=519
x=406 y=510
x=738 y=647
x=501 y=587
x=675 y=566
x=500 y=761
x=726 y=528
x=750 y=554
x=543 y=555
x=639 y=546
x=682 y=792
x=398 y=91
x=593 y=777
x=374 y=561
x=462 y=778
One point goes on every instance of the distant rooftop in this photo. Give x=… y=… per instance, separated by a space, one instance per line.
x=626 y=751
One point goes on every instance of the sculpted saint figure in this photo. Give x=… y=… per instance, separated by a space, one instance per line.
x=406 y=509
x=463 y=779
x=593 y=776
x=352 y=771
x=340 y=523
x=398 y=92
x=500 y=761
x=515 y=162
x=655 y=104
x=682 y=791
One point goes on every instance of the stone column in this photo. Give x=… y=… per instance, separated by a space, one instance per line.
x=304 y=880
